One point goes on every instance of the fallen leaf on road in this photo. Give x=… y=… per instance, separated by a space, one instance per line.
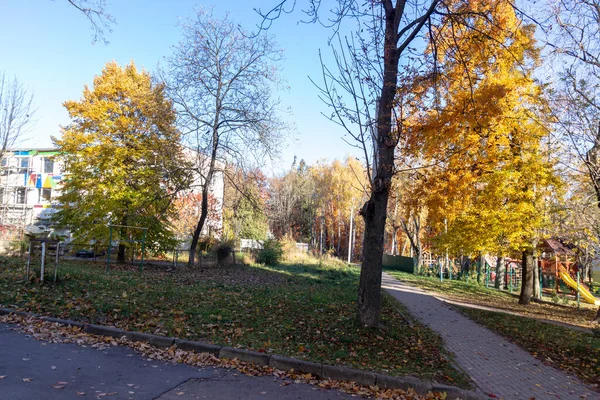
x=2 y=376
x=62 y=383
x=80 y=393
x=53 y=367
x=180 y=393
x=27 y=379
x=59 y=386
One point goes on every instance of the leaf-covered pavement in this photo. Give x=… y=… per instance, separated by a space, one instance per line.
x=55 y=333
x=302 y=311
x=575 y=352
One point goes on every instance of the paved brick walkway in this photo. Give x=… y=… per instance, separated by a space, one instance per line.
x=496 y=366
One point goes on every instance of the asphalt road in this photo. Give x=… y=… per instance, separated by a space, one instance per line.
x=32 y=369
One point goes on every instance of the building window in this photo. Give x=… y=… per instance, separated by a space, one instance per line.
x=21 y=196
x=45 y=195
x=24 y=162
x=48 y=166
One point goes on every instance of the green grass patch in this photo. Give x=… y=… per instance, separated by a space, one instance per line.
x=304 y=310
x=573 y=351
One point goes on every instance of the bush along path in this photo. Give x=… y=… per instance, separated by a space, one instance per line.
x=499 y=368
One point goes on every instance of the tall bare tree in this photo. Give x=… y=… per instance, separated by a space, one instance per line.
x=577 y=100
x=16 y=112
x=362 y=88
x=221 y=81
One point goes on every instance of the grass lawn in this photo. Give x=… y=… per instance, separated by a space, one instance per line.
x=474 y=293
x=573 y=351
x=299 y=310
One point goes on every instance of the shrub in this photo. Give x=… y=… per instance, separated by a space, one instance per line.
x=223 y=250
x=271 y=253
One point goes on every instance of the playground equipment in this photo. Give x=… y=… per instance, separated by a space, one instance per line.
x=558 y=265
x=579 y=287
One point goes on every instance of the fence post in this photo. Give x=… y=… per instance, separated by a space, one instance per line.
x=56 y=260
x=28 y=262
x=43 y=257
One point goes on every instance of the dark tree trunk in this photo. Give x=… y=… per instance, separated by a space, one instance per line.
x=198 y=230
x=527 y=277
x=205 y=188
x=374 y=211
x=369 y=290
x=500 y=270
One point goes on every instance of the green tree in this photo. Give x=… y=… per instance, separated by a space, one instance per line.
x=244 y=213
x=123 y=159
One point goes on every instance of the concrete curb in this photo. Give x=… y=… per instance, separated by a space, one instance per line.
x=320 y=370
x=198 y=347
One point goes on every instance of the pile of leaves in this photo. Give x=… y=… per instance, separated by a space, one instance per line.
x=573 y=351
x=306 y=311
x=56 y=333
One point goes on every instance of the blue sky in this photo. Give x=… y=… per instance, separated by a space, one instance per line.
x=47 y=45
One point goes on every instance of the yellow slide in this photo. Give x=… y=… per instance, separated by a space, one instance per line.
x=585 y=294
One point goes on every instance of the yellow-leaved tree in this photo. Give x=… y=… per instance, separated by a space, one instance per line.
x=123 y=160
x=483 y=131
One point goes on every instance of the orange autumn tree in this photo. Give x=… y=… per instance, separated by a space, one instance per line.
x=340 y=188
x=484 y=134
x=187 y=209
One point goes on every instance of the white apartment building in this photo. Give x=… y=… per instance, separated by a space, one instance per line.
x=30 y=181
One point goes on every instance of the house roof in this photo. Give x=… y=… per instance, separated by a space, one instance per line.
x=556 y=246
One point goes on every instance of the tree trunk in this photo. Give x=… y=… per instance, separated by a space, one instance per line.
x=374 y=211
x=369 y=289
x=527 y=277
x=537 y=289
x=198 y=230
x=500 y=272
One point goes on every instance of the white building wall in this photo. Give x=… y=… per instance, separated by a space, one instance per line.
x=28 y=188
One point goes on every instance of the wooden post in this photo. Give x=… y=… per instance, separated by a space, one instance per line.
x=43 y=257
